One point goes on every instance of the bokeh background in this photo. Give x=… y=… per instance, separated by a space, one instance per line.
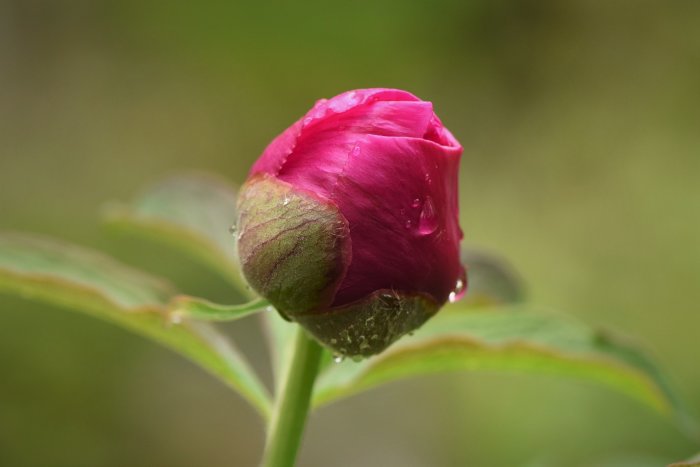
x=580 y=122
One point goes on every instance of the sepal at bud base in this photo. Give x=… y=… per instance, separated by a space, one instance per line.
x=294 y=247
x=370 y=325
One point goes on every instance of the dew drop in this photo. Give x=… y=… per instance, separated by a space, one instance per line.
x=233 y=229
x=416 y=203
x=175 y=318
x=286 y=201
x=356 y=151
x=460 y=287
x=307 y=121
x=428 y=222
x=408 y=224
x=337 y=358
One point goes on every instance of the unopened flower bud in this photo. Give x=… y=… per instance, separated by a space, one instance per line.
x=348 y=222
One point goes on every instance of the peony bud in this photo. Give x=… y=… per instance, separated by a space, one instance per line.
x=349 y=223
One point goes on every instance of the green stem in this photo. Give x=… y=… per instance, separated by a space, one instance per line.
x=292 y=402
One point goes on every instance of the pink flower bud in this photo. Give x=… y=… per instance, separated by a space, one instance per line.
x=349 y=220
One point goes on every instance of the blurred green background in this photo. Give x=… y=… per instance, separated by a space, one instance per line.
x=582 y=158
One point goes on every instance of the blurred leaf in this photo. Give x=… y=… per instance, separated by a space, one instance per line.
x=523 y=341
x=76 y=275
x=491 y=280
x=193 y=213
x=694 y=462
x=190 y=212
x=184 y=306
x=83 y=280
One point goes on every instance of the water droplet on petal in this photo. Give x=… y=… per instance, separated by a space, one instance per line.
x=286 y=201
x=356 y=151
x=337 y=358
x=307 y=121
x=460 y=287
x=232 y=230
x=428 y=222
x=408 y=224
x=416 y=203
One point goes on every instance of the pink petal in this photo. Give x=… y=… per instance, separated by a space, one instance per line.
x=399 y=196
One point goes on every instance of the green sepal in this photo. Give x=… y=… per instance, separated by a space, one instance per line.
x=294 y=247
x=369 y=326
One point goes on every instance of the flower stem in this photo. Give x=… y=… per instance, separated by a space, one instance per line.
x=292 y=402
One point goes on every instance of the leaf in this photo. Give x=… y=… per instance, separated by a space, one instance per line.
x=694 y=462
x=191 y=212
x=524 y=340
x=491 y=280
x=77 y=278
x=186 y=307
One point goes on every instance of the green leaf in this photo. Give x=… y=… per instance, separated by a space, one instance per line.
x=184 y=307
x=694 y=462
x=190 y=212
x=79 y=279
x=193 y=213
x=491 y=280
x=524 y=340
